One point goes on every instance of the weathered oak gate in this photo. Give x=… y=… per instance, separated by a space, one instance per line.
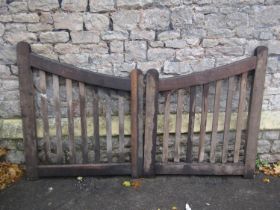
x=62 y=99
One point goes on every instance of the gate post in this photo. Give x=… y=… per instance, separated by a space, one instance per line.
x=137 y=94
x=255 y=112
x=27 y=109
x=152 y=80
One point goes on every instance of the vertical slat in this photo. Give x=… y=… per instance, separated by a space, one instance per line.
x=227 y=119
x=191 y=124
x=137 y=92
x=140 y=116
x=108 y=116
x=70 y=114
x=166 y=126
x=204 y=110
x=239 y=125
x=27 y=109
x=180 y=106
x=57 y=117
x=150 y=122
x=82 y=94
x=215 y=121
x=96 y=124
x=255 y=112
x=44 y=112
x=121 y=126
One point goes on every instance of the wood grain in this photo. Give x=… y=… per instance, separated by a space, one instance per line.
x=99 y=169
x=180 y=106
x=199 y=169
x=215 y=121
x=191 y=124
x=239 y=124
x=27 y=105
x=203 y=77
x=56 y=99
x=137 y=144
x=255 y=112
x=78 y=74
x=150 y=122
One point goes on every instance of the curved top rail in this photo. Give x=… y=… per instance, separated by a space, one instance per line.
x=199 y=78
x=78 y=74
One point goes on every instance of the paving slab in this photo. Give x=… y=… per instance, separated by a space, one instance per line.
x=162 y=192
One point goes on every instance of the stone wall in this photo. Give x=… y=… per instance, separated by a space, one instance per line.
x=115 y=36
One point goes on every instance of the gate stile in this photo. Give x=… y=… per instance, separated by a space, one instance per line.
x=148 y=156
x=137 y=144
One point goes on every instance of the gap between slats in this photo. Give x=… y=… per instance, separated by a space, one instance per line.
x=96 y=124
x=227 y=118
x=166 y=126
x=57 y=117
x=70 y=113
x=191 y=124
x=108 y=116
x=121 y=103
x=215 y=121
x=239 y=125
x=82 y=93
x=44 y=112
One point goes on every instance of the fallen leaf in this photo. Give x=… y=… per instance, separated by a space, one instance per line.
x=9 y=173
x=174 y=208
x=126 y=184
x=3 y=152
x=277 y=169
x=136 y=184
x=271 y=170
x=266 y=180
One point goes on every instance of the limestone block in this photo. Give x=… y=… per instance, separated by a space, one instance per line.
x=135 y=51
x=84 y=37
x=71 y=21
x=96 y=22
x=155 y=19
x=74 y=5
x=54 y=37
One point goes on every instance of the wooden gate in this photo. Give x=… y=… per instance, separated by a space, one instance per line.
x=63 y=107
x=72 y=102
x=199 y=156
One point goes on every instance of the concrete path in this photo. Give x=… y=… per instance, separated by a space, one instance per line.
x=162 y=193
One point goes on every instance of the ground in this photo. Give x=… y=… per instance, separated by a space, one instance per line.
x=162 y=192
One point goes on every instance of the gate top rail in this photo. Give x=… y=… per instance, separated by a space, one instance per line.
x=82 y=75
x=108 y=81
x=203 y=77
